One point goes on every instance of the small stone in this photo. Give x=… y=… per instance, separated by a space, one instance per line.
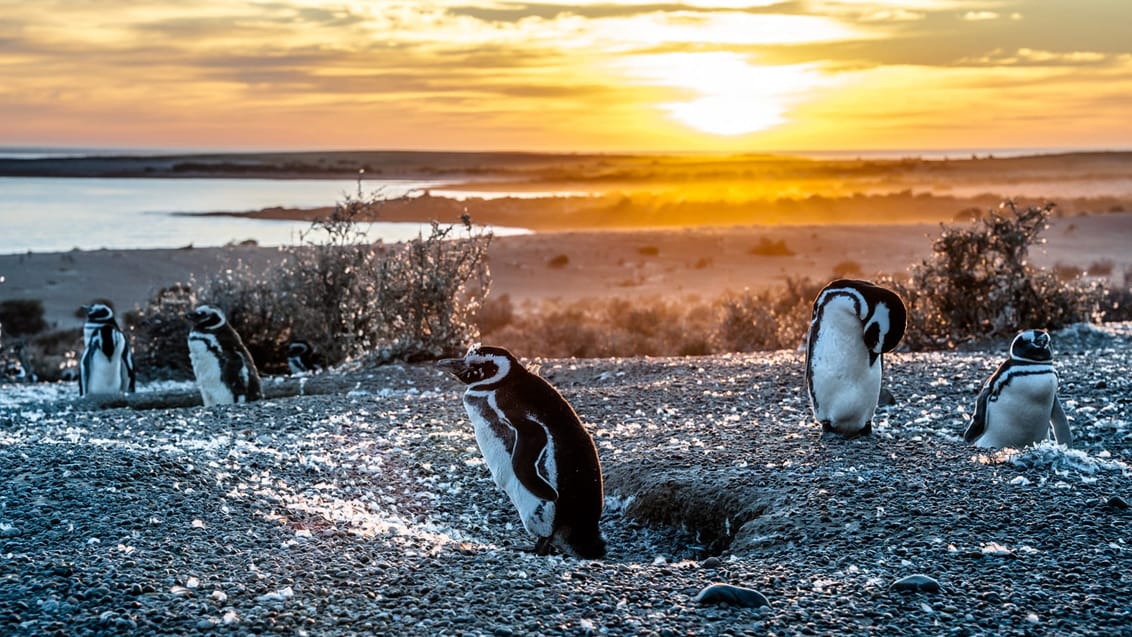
x=885 y=398
x=916 y=584
x=1116 y=502
x=9 y=531
x=1101 y=384
x=711 y=562
x=734 y=595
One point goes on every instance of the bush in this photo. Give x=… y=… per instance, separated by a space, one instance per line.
x=339 y=293
x=771 y=248
x=847 y=269
x=589 y=328
x=159 y=333
x=978 y=284
x=22 y=317
x=559 y=261
x=767 y=320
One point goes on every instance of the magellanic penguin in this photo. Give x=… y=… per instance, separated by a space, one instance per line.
x=853 y=324
x=106 y=366
x=1018 y=403
x=300 y=357
x=224 y=369
x=537 y=450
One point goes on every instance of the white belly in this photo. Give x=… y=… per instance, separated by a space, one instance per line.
x=206 y=368
x=536 y=513
x=105 y=374
x=1021 y=414
x=845 y=386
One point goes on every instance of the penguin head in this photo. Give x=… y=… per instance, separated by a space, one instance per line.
x=481 y=365
x=1032 y=345
x=206 y=317
x=298 y=349
x=98 y=313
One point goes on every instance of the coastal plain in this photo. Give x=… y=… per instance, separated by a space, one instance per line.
x=667 y=226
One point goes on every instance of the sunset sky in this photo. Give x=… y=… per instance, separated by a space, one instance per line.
x=596 y=75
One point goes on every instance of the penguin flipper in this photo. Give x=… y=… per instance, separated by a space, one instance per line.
x=530 y=449
x=1061 y=432
x=84 y=366
x=979 y=420
x=128 y=375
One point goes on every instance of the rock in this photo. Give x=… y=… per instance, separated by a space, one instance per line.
x=711 y=562
x=885 y=399
x=734 y=595
x=1116 y=502
x=916 y=584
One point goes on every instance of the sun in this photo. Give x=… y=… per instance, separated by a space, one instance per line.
x=727 y=115
x=728 y=94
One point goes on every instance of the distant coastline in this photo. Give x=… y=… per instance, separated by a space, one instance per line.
x=596 y=169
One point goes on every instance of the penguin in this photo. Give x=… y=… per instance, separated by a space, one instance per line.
x=1018 y=404
x=300 y=357
x=106 y=367
x=224 y=370
x=853 y=324
x=537 y=450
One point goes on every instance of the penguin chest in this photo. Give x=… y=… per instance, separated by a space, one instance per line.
x=496 y=438
x=844 y=382
x=1019 y=413
x=102 y=374
x=205 y=355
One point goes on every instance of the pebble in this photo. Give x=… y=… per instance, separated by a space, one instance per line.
x=10 y=531
x=711 y=562
x=729 y=594
x=1116 y=502
x=916 y=584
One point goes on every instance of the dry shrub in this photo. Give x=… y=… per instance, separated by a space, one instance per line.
x=341 y=294
x=767 y=320
x=771 y=248
x=978 y=284
x=558 y=261
x=847 y=269
x=22 y=317
x=592 y=328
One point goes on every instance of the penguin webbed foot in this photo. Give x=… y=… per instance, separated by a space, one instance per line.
x=542 y=546
x=827 y=429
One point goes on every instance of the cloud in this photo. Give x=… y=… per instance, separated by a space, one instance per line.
x=980 y=16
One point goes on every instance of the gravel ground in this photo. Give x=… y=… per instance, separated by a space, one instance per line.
x=370 y=512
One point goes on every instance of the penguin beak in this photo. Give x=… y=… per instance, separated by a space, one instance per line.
x=453 y=366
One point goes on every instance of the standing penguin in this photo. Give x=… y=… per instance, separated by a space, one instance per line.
x=1018 y=403
x=106 y=366
x=537 y=450
x=224 y=369
x=853 y=324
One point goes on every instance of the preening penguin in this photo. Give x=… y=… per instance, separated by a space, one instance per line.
x=853 y=324
x=106 y=366
x=537 y=450
x=1018 y=404
x=224 y=369
x=300 y=357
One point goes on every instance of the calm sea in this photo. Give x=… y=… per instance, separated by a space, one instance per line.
x=41 y=214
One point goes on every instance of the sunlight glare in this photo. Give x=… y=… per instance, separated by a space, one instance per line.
x=732 y=96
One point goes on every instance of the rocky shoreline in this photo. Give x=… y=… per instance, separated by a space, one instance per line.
x=367 y=510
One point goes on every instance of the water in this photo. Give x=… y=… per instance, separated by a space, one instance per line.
x=43 y=214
